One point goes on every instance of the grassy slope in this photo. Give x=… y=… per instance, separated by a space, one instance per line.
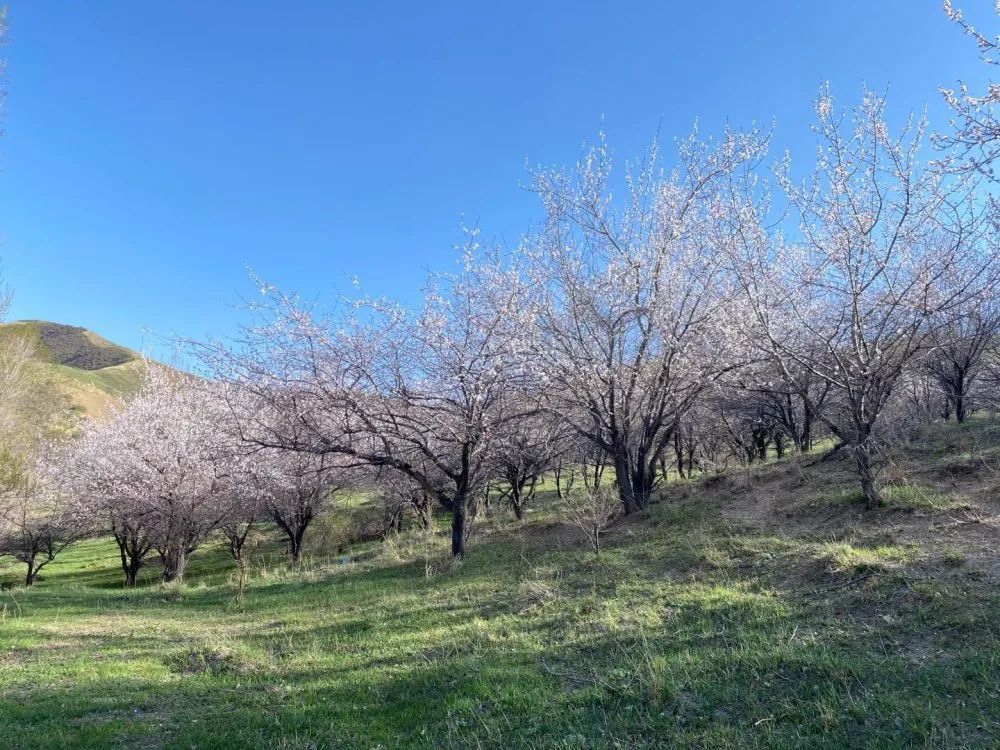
x=93 y=392
x=118 y=380
x=70 y=345
x=67 y=358
x=763 y=609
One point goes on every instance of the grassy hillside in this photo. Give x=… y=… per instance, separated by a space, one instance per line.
x=758 y=609
x=93 y=391
x=71 y=346
x=78 y=366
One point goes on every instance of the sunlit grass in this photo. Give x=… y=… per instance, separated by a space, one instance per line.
x=689 y=631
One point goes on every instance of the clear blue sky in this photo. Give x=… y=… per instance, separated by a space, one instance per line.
x=152 y=151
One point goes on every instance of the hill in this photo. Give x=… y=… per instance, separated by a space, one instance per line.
x=71 y=346
x=77 y=366
x=760 y=608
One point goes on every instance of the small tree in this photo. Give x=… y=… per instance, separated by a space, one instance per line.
x=399 y=492
x=531 y=448
x=301 y=487
x=957 y=358
x=102 y=488
x=34 y=524
x=159 y=471
x=593 y=512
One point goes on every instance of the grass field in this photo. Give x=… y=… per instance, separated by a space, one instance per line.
x=116 y=381
x=757 y=609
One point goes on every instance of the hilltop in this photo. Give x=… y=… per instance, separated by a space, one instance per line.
x=78 y=366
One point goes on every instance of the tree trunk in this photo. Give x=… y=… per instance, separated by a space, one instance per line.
x=174 y=564
x=623 y=478
x=458 y=513
x=132 y=550
x=805 y=444
x=517 y=507
x=242 y=577
x=29 y=578
x=760 y=444
x=867 y=475
x=393 y=521
x=294 y=527
x=295 y=545
x=959 y=393
x=779 y=445
x=595 y=479
x=131 y=558
x=635 y=484
x=643 y=480
x=131 y=570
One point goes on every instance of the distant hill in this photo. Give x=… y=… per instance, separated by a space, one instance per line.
x=72 y=346
x=78 y=366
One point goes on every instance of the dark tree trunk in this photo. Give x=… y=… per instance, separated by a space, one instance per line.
x=779 y=445
x=522 y=492
x=174 y=563
x=516 y=494
x=517 y=505
x=237 y=535
x=458 y=516
x=294 y=526
x=29 y=578
x=960 y=396
x=597 y=475
x=131 y=571
x=805 y=443
x=132 y=550
x=867 y=474
x=295 y=544
x=635 y=483
x=623 y=479
x=760 y=438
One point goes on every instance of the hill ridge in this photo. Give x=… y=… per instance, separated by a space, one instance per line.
x=79 y=367
x=73 y=346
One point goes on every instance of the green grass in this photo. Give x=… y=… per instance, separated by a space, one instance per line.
x=120 y=380
x=688 y=631
x=894 y=496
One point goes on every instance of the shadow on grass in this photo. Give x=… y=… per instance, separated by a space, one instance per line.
x=724 y=667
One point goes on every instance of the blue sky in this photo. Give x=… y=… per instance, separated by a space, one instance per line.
x=153 y=151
